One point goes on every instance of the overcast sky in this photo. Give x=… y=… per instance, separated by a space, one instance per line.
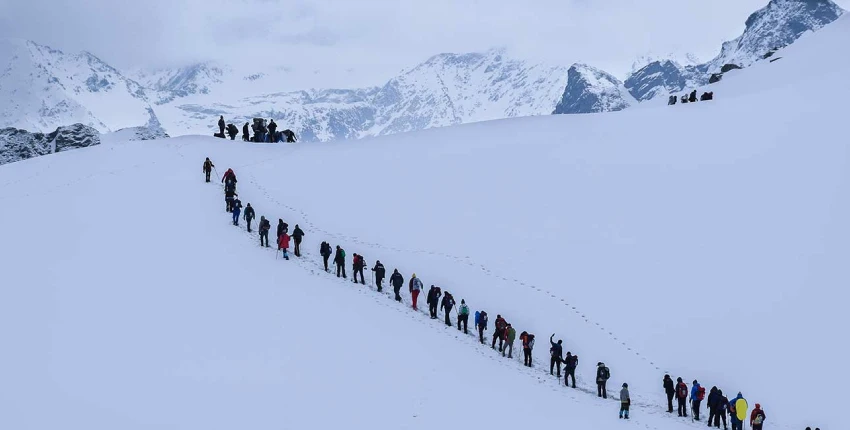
x=374 y=39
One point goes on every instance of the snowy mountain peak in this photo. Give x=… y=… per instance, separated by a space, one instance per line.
x=774 y=26
x=197 y=78
x=682 y=60
x=592 y=90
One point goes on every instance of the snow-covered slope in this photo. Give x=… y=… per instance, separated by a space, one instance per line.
x=592 y=90
x=700 y=256
x=44 y=88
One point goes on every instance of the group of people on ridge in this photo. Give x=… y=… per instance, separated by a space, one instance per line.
x=692 y=98
x=718 y=405
x=262 y=132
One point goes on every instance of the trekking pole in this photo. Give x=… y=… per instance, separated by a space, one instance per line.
x=216 y=171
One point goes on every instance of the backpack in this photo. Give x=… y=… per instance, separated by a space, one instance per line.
x=682 y=390
x=701 y=393
x=759 y=419
x=606 y=374
x=464 y=310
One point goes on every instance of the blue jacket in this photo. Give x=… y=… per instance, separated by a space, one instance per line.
x=236 y=212
x=694 y=391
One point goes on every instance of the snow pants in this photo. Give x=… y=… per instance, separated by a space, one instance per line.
x=248 y=221
x=602 y=389
x=683 y=408
x=737 y=424
x=757 y=426
x=717 y=416
x=567 y=373
x=340 y=268
x=378 y=284
x=695 y=406
x=325 y=259
x=432 y=309
x=526 y=352
x=207 y=173
x=555 y=362
x=670 y=401
x=264 y=235
x=449 y=317
x=297 y=247
x=624 y=410
x=415 y=294
x=235 y=217
x=481 y=334
x=462 y=319
x=397 y=291
x=360 y=271
x=500 y=336
x=509 y=347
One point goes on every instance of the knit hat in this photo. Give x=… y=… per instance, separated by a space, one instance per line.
x=625 y=385
x=758 y=405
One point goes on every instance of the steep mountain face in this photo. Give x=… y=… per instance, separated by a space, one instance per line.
x=591 y=90
x=17 y=144
x=44 y=88
x=776 y=25
x=171 y=84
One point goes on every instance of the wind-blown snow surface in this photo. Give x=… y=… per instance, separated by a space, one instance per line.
x=718 y=255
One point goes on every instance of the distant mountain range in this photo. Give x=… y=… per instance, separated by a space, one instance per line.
x=47 y=88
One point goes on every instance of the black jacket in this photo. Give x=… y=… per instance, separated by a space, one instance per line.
x=379 y=270
x=602 y=374
x=297 y=234
x=397 y=280
x=272 y=127
x=325 y=249
x=245 y=129
x=339 y=259
x=265 y=226
x=221 y=123
x=249 y=213
x=669 y=386
x=448 y=302
x=571 y=360
x=557 y=350
x=713 y=399
x=282 y=228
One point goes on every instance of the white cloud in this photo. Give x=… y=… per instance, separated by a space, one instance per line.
x=375 y=37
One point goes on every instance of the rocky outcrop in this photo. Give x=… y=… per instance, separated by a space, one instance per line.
x=591 y=90
x=17 y=144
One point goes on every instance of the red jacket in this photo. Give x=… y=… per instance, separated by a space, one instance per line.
x=756 y=412
x=283 y=241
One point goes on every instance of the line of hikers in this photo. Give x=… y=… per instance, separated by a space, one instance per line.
x=692 y=98
x=718 y=405
x=263 y=132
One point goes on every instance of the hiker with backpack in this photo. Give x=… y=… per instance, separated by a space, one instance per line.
x=682 y=397
x=245 y=136
x=603 y=374
x=283 y=245
x=272 y=128
x=236 y=207
x=432 y=299
x=282 y=227
x=556 y=351
x=510 y=336
x=670 y=390
x=722 y=409
x=757 y=418
x=397 y=282
x=499 y=333
x=229 y=195
x=379 y=274
x=325 y=251
x=463 y=316
x=447 y=304
x=265 y=226
x=249 y=216
x=738 y=411
x=693 y=97
x=625 y=401
x=220 y=125
x=415 y=287
x=527 y=346
x=481 y=324
x=208 y=166
x=570 y=365
x=229 y=175
x=232 y=131
x=297 y=235
x=697 y=394
x=357 y=264
x=339 y=260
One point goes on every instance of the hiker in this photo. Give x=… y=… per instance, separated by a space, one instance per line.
x=272 y=128
x=711 y=404
x=447 y=304
x=672 y=100
x=229 y=195
x=415 y=288
x=685 y=98
x=298 y=235
x=527 y=346
x=570 y=365
x=697 y=394
x=432 y=299
x=463 y=316
x=232 y=131
x=738 y=410
x=236 y=207
x=757 y=418
x=625 y=401
x=722 y=409
x=229 y=175
x=290 y=136
x=220 y=125
x=208 y=166
x=602 y=376
x=556 y=351
x=256 y=129
x=357 y=264
x=397 y=281
x=693 y=97
x=325 y=251
x=282 y=227
x=265 y=226
x=499 y=333
x=510 y=336
x=670 y=390
x=481 y=324
x=339 y=260
x=283 y=245
x=249 y=216
x=682 y=397
x=229 y=188
x=245 y=136
x=379 y=274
